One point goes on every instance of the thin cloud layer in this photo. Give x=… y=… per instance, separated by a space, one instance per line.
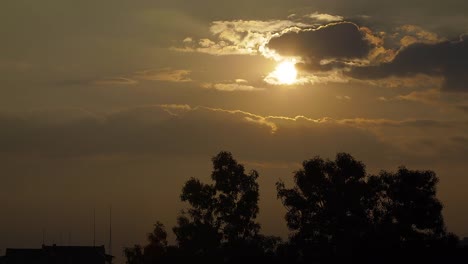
x=431 y=96
x=116 y=81
x=237 y=85
x=176 y=130
x=162 y=75
x=185 y=130
x=167 y=74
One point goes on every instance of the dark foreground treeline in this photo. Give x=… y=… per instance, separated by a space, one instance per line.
x=336 y=212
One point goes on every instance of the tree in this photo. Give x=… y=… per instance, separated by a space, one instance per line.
x=406 y=209
x=134 y=255
x=336 y=210
x=326 y=209
x=221 y=219
x=154 y=252
x=157 y=244
x=196 y=232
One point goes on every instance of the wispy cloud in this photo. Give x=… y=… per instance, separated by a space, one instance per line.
x=431 y=96
x=325 y=17
x=343 y=97
x=417 y=81
x=167 y=74
x=116 y=81
x=238 y=85
x=164 y=75
x=411 y=34
x=243 y=37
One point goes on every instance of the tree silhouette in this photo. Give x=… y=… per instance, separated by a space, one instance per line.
x=405 y=209
x=335 y=211
x=157 y=246
x=134 y=255
x=154 y=252
x=197 y=230
x=326 y=209
x=221 y=220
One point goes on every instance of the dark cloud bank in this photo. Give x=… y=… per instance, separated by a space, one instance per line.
x=344 y=41
x=335 y=41
x=448 y=59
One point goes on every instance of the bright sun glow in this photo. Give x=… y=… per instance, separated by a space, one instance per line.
x=285 y=72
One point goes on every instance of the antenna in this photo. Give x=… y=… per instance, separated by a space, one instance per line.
x=110 y=230
x=94 y=227
x=43 y=236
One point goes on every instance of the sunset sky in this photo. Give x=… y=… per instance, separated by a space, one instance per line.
x=120 y=102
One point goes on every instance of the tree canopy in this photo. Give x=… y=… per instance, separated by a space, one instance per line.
x=335 y=211
x=222 y=218
x=326 y=209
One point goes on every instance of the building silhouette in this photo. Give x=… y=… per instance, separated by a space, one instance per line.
x=57 y=255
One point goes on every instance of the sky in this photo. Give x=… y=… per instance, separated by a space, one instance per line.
x=118 y=103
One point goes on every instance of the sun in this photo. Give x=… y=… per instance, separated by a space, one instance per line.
x=285 y=72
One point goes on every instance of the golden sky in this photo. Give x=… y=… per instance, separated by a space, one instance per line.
x=120 y=102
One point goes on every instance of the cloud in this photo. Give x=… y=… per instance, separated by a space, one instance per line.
x=324 y=77
x=343 y=97
x=238 y=85
x=165 y=130
x=321 y=51
x=176 y=130
x=183 y=107
x=447 y=59
x=417 y=81
x=166 y=74
x=116 y=81
x=241 y=37
x=431 y=96
x=411 y=34
x=326 y=47
x=419 y=123
x=325 y=17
